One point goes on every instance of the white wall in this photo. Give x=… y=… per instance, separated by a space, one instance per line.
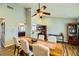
x=12 y=18
x=54 y=25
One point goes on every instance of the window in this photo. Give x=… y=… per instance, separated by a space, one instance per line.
x=21 y=28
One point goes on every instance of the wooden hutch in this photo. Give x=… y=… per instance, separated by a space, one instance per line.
x=72 y=33
x=42 y=31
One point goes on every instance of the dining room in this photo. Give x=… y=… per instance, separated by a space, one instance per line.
x=39 y=29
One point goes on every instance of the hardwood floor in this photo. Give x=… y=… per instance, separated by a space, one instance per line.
x=68 y=50
x=9 y=51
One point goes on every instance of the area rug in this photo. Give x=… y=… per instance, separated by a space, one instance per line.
x=58 y=51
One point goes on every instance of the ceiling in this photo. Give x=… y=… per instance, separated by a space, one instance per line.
x=66 y=10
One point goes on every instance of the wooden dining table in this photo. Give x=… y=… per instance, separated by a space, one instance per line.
x=56 y=49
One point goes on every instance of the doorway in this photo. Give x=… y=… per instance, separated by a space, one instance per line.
x=2 y=32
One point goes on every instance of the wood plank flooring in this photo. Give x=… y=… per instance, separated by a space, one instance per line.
x=68 y=50
x=9 y=51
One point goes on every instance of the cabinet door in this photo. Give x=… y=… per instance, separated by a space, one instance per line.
x=72 y=33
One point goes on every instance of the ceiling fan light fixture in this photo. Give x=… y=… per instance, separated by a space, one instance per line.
x=40 y=14
x=41 y=11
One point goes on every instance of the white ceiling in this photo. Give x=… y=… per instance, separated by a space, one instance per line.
x=66 y=10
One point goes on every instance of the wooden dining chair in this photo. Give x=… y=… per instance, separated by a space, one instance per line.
x=25 y=47
x=17 y=45
x=40 y=50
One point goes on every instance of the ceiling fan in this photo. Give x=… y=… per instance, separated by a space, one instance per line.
x=40 y=11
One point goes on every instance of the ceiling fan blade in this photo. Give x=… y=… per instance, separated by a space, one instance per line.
x=44 y=7
x=38 y=10
x=46 y=13
x=34 y=15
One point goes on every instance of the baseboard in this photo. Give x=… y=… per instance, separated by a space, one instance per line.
x=8 y=45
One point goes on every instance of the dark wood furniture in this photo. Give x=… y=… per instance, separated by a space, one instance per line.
x=16 y=45
x=16 y=48
x=72 y=33
x=42 y=31
x=21 y=34
x=78 y=32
